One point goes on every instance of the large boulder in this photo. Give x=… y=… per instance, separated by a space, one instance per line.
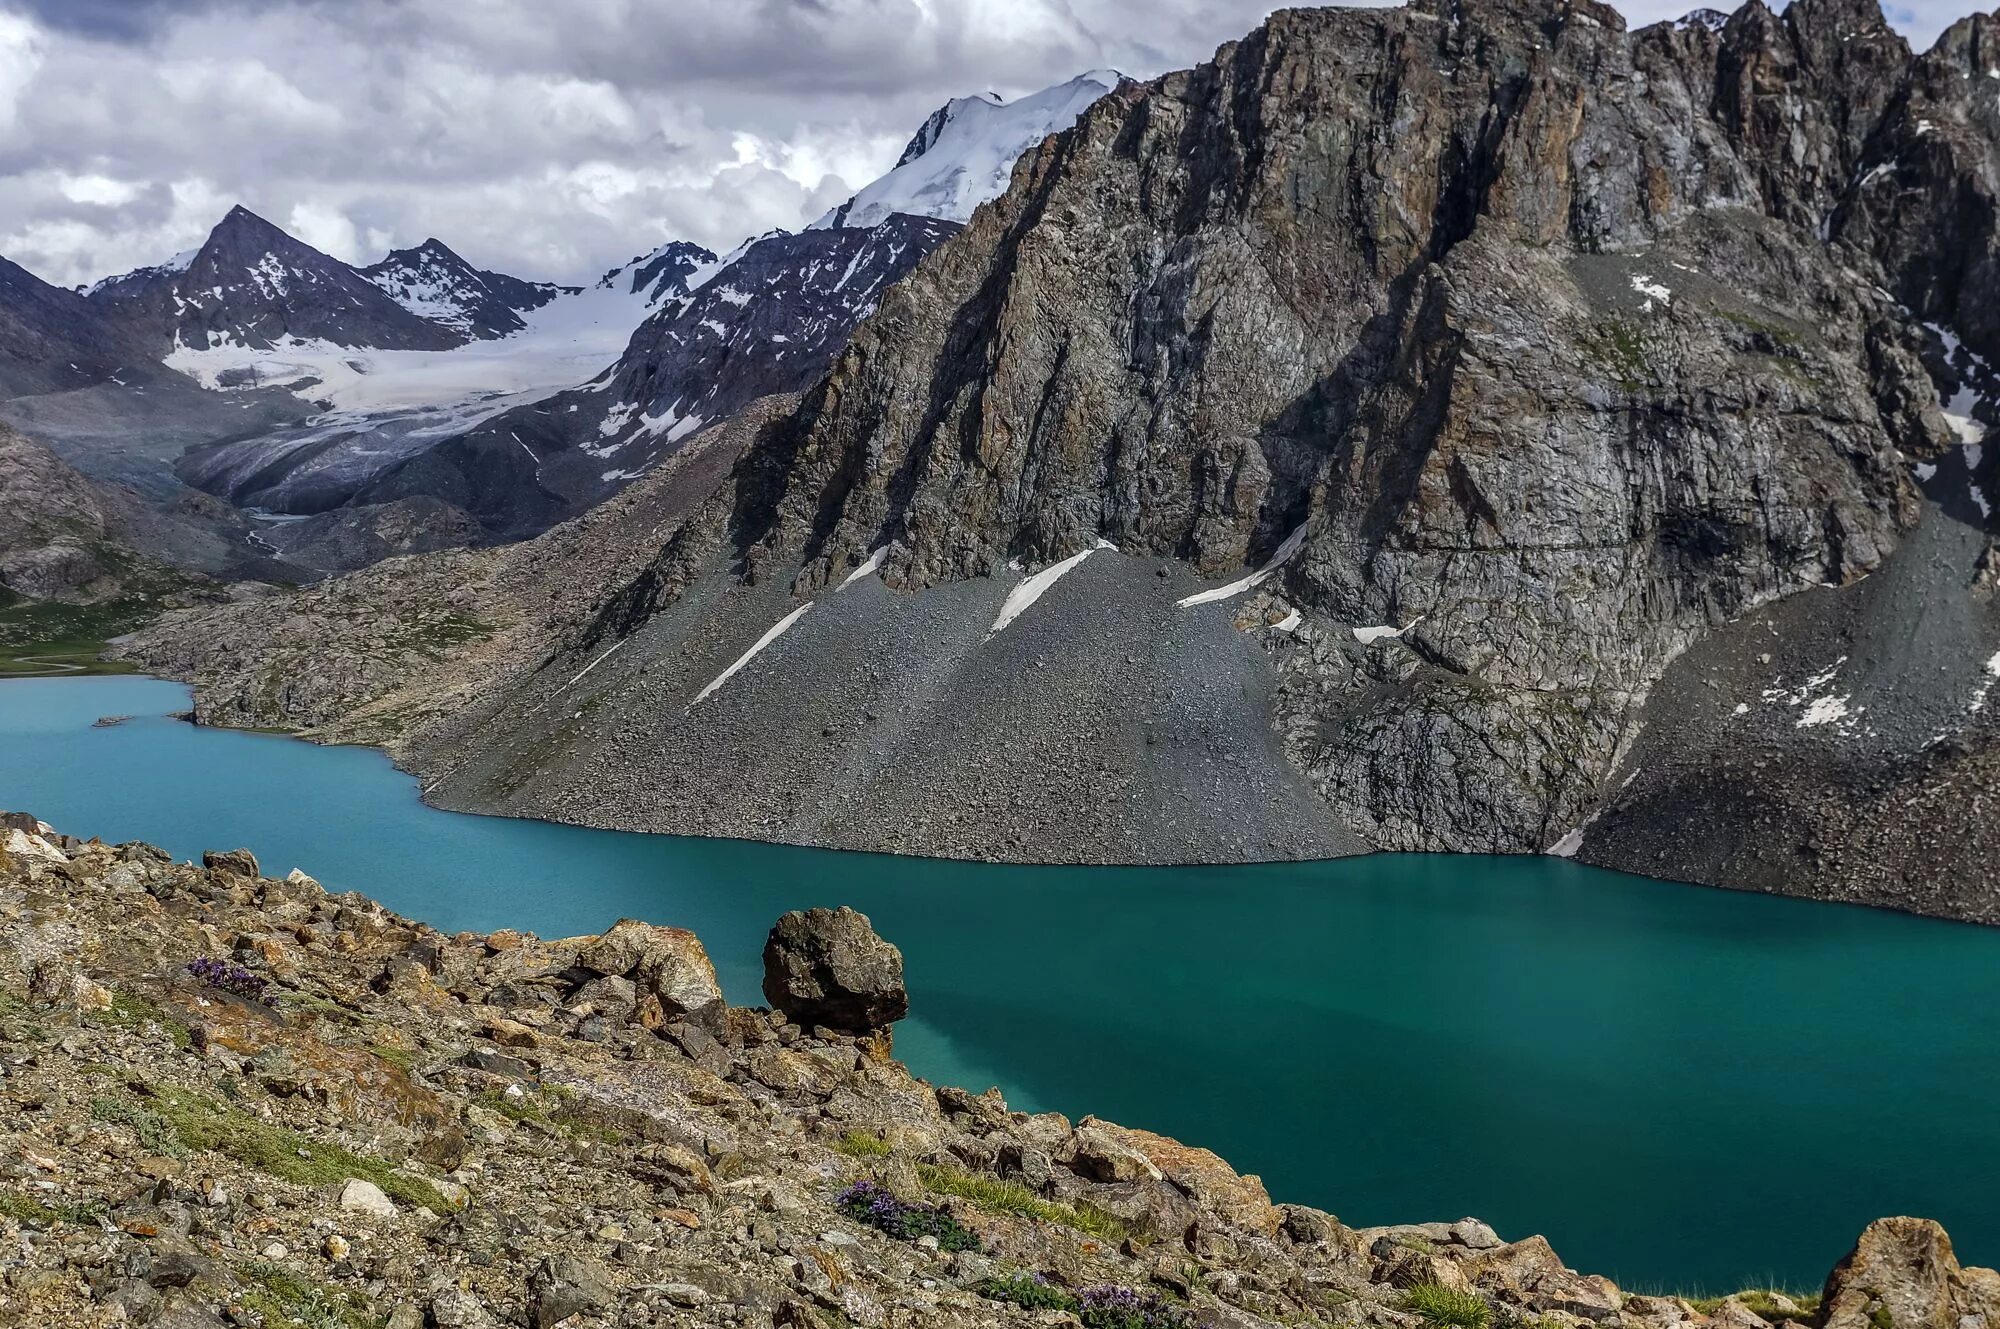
x=827 y=967
x=1903 y=1273
x=668 y=963
x=231 y=862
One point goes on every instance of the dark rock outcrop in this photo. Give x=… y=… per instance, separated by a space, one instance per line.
x=231 y=862
x=827 y=967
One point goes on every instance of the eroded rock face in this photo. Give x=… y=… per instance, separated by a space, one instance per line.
x=1904 y=1273
x=827 y=967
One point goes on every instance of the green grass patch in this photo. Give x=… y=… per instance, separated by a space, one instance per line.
x=203 y=1125
x=130 y=1011
x=1006 y=1197
x=1764 y=1302
x=28 y=1210
x=401 y=1058
x=156 y=1134
x=549 y=1109
x=281 y=1297
x=860 y=1144
x=1447 y=1308
x=43 y=637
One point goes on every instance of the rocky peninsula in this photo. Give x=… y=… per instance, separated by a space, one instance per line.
x=228 y=1099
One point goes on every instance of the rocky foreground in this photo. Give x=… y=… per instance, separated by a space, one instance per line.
x=232 y=1100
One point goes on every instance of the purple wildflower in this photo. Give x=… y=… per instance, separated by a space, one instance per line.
x=226 y=977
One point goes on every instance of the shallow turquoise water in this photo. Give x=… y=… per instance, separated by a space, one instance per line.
x=1682 y=1088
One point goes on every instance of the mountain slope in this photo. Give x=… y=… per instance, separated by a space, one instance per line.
x=435 y=284
x=1515 y=410
x=965 y=152
x=251 y=285
x=52 y=340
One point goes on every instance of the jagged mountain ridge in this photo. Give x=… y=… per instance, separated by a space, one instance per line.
x=1506 y=437
x=764 y=320
x=251 y=284
x=434 y=283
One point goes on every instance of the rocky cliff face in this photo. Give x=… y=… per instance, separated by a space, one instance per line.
x=1488 y=304
x=232 y=1099
x=52 y=539
x=1494 y=359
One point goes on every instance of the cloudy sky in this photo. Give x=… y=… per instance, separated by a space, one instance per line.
x=549 y=138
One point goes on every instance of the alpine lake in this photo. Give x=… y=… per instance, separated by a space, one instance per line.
x=1685 y=1089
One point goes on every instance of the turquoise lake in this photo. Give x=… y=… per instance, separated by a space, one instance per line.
x=1683 y=1088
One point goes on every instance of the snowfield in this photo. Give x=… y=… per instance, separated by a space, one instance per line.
x=965 y=154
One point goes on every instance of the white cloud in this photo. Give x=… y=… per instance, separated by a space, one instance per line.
x=549 y=140
x=20 y=57
x=327 y=230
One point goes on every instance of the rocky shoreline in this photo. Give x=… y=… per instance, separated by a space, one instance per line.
x=227 y=1099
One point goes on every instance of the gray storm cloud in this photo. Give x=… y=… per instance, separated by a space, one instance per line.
x=549 y=140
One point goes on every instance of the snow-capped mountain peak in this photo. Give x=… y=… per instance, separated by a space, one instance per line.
x=434 y=283
x=659 y=275
x=964 y=154
x=251 y=284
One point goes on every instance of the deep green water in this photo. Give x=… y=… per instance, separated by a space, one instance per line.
x=1682 y=1088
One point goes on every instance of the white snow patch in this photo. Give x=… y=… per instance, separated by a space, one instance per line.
x=578 y=676
x=1823 y=710
x=1369 y=636
x=777 y=631
x=1031 y=588
x=1290 y=622
x=1291 y=546
x=869 y=567
x=1986 y=686
x=1644 y=284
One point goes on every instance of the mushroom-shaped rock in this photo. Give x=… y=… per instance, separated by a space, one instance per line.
x=1903 y=1272
x=827 y=967
x=669 y=963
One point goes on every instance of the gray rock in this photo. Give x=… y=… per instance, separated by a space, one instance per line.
x=566 y=1285
x=828 y=967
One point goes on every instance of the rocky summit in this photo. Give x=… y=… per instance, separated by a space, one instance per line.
x=228 y=1099
x=1469 y=426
